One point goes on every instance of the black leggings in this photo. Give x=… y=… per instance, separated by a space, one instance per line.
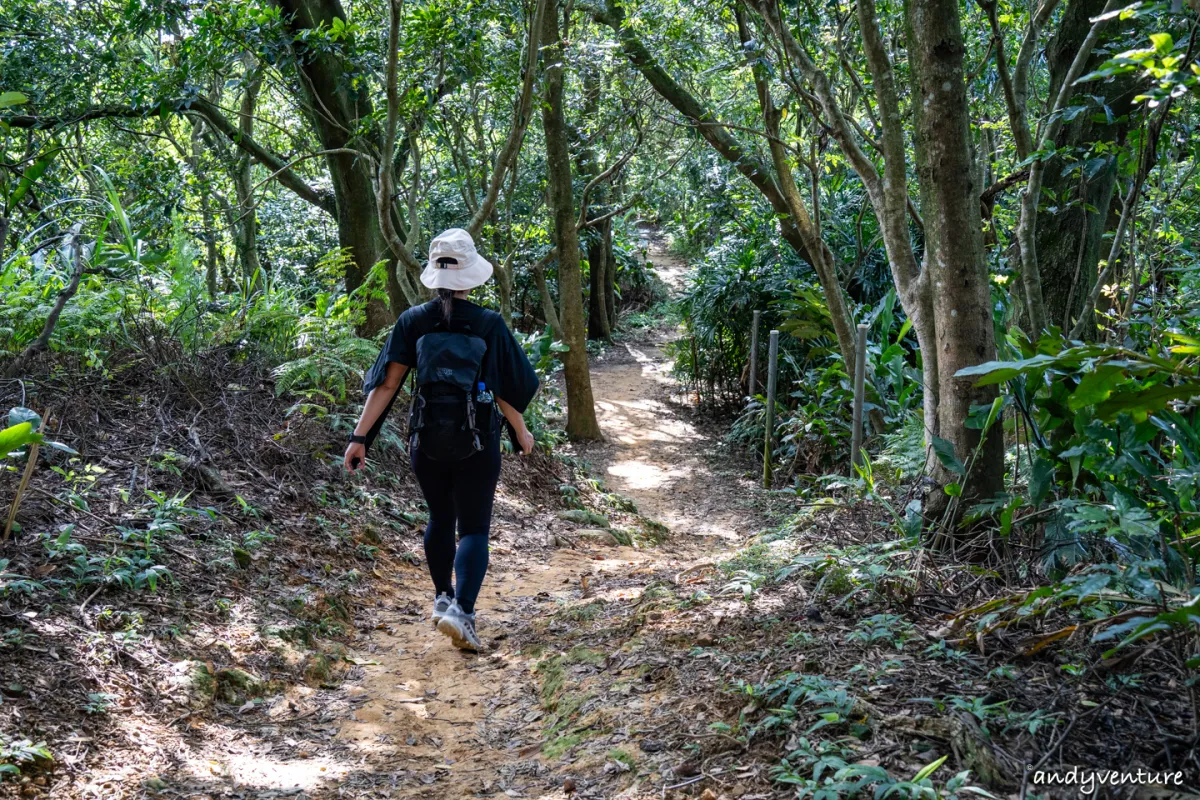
x=459 y=492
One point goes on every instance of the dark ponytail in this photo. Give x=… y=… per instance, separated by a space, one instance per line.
x=446 y=298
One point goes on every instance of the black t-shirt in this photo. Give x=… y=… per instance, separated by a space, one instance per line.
x=506 y=371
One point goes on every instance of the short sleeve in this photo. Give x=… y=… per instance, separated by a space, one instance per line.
x=513 y=377
x=398 y=347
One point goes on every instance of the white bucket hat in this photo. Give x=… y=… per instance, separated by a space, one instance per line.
x=454 y=263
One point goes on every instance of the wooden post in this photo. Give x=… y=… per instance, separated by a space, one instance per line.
x=772 y=359
x=754 y=353
x=860 y=374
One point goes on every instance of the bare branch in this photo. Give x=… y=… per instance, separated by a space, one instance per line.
x=521 y=117
x=42 y=342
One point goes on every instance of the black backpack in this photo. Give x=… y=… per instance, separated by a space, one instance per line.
x=449 y=419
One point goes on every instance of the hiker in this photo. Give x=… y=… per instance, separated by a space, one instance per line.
x=470 y=373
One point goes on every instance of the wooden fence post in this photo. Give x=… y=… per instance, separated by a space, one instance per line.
x=772 y=359
x=860 y=373
x=754 y=353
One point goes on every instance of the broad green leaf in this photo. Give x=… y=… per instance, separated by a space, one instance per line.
x=17 y=436
x=19 y=414
x=1096 y=387
x=993 y=372
x=1143 y=402
x=1163 y=43
x=945 y=453
x=1041 y=478
x=10 y=99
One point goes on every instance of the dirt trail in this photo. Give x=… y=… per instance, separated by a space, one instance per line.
x=448 y=725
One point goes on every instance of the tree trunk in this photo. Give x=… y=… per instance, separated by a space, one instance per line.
x=1069 y=242
x=610 y=278
x=337 y=112
x=598 y=318
x=581 y=410
x=955 y=266
x=246 y=232
x=210 y=246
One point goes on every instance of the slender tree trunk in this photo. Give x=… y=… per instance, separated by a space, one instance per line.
x=954 y=259
x=610 y=277
x=209 y=233
x=246 y=232
x=598 y=319
x=4 y=223
x=210 y=246
x=581 y=410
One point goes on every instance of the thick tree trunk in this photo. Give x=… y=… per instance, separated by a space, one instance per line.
x=581 y=410
x=337 y=113
x=1069 y=242
x=954 y=258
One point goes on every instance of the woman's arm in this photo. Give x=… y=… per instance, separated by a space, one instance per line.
x=524 y=437
x=377 y=401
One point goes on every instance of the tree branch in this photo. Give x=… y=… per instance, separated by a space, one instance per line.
x=409 y=269
x=43 y=340
x=271 y=160
x=521 y=117
x=606 y=175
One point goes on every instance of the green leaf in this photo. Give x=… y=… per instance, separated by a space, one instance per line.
x=993 y=413
x=1141 y=403
x=945 y=453
x=1096 y=387
x=929 y=769
x=1040 y=480
x=30 y=176
x=953 y=489
x=993 y=372
x=19 y=414
x=10 y=99
x=17 y=436
x=1163 y=43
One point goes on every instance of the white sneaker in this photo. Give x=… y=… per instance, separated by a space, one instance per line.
x=440 y=606
x=460 y=627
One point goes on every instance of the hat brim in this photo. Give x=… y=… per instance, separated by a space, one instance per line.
x=476 y=273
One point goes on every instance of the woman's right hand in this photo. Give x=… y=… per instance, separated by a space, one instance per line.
x=356 y=456
x=525 y=439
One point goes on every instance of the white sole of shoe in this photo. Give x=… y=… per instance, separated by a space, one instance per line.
x=458 y=636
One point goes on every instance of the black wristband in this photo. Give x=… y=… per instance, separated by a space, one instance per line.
x=356 y=439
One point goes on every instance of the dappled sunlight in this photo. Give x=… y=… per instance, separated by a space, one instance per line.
x=643 y=475
x=259 y=771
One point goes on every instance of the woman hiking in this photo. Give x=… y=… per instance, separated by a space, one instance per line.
x=469 y=373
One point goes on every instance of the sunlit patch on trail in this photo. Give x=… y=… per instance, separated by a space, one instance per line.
x=259 y=771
